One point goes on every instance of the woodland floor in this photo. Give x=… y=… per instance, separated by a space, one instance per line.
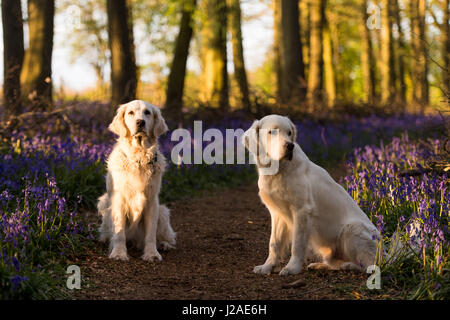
x=221 y=236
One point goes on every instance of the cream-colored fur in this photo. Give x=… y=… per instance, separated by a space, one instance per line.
x=309 y=210
x=130 y=207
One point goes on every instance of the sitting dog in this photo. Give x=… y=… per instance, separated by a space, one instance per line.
x=309 y=210
x=130 y=207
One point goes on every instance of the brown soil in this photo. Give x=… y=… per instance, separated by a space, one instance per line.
x=221 y=236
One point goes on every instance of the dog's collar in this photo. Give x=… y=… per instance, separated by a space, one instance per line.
x=152 y=161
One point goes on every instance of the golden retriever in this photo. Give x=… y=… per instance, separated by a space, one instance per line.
x=309 y=211
x=130 y=207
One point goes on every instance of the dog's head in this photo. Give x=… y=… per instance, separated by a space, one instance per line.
x=137 y=119
x=271 y=137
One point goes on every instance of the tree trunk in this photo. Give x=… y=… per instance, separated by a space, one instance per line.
x=13 y=53
x=401 y=53
x=277 y=34
x=419 y=65
x=175 y=85
x=214 y=54
x=367 y=60
x=329 y=65
x=291 y=77
x=446 y=50
x=387 y=54
x=305 y=32
x=240 y=74
x=123 y=61
x=315 y=77
x=36 y=75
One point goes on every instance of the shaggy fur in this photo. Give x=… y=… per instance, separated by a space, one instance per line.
x=130 y=207
x=309 y=211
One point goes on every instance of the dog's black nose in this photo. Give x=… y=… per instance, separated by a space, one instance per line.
x=290 y=146
x=140 y=123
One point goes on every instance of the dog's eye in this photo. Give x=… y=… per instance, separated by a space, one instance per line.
x=289 y=133
x=273 y=131
x=131 y=113
x=146 y=112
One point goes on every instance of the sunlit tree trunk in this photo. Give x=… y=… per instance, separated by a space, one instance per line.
x=335 y=36
x=277 y=48
x=304 y=32
x=13 y=52
x=419 y=65
x=35 y=78
x=315 y=76
x=446 y=49
x=175 y=86
x=234 y=9
x=329 y=65
x=123 y=61
x=400 y=55
x=387 y=54
x=367 y=59
x=214 y=54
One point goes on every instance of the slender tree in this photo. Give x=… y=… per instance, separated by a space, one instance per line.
x=234 y=9
x=444 y=28
x=329 y=65
x=419 y=65
x=13 y=53
x=277 y=34
x=335 y=38
x=305 y=32
x=367 y=60
x=214 y=53
x=387 y=54
x=446 y=49
x=291 y=73
x=123 y=61
x=36 y=75
x=400 y=55
x=315 y=76
x=175 y=85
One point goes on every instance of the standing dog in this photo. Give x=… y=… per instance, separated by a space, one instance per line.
x=130 y=207
x=308 y=209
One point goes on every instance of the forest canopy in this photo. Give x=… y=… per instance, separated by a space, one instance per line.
x=316 y=54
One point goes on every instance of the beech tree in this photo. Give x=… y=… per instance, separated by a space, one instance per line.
x=36 y=75
x=123 y=61
x=13 y=53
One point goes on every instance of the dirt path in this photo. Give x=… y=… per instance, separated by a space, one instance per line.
x=221 y=236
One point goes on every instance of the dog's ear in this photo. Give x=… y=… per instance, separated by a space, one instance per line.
x=250 y=138
x=293 y=129
x=118 y=124
x=159 y=125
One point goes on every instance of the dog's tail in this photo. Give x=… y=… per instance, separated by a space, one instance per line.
x=103 y=207
x=165 y=232
x=103 y=204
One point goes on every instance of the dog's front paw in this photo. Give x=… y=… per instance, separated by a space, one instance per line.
x=290 y=270
x=318 y=266
x=263 y=269
x=165 y=246
x=119 y=254
x=153 y=256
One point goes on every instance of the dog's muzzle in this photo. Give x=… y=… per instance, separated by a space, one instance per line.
x=140 y=124
x=289 y=150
